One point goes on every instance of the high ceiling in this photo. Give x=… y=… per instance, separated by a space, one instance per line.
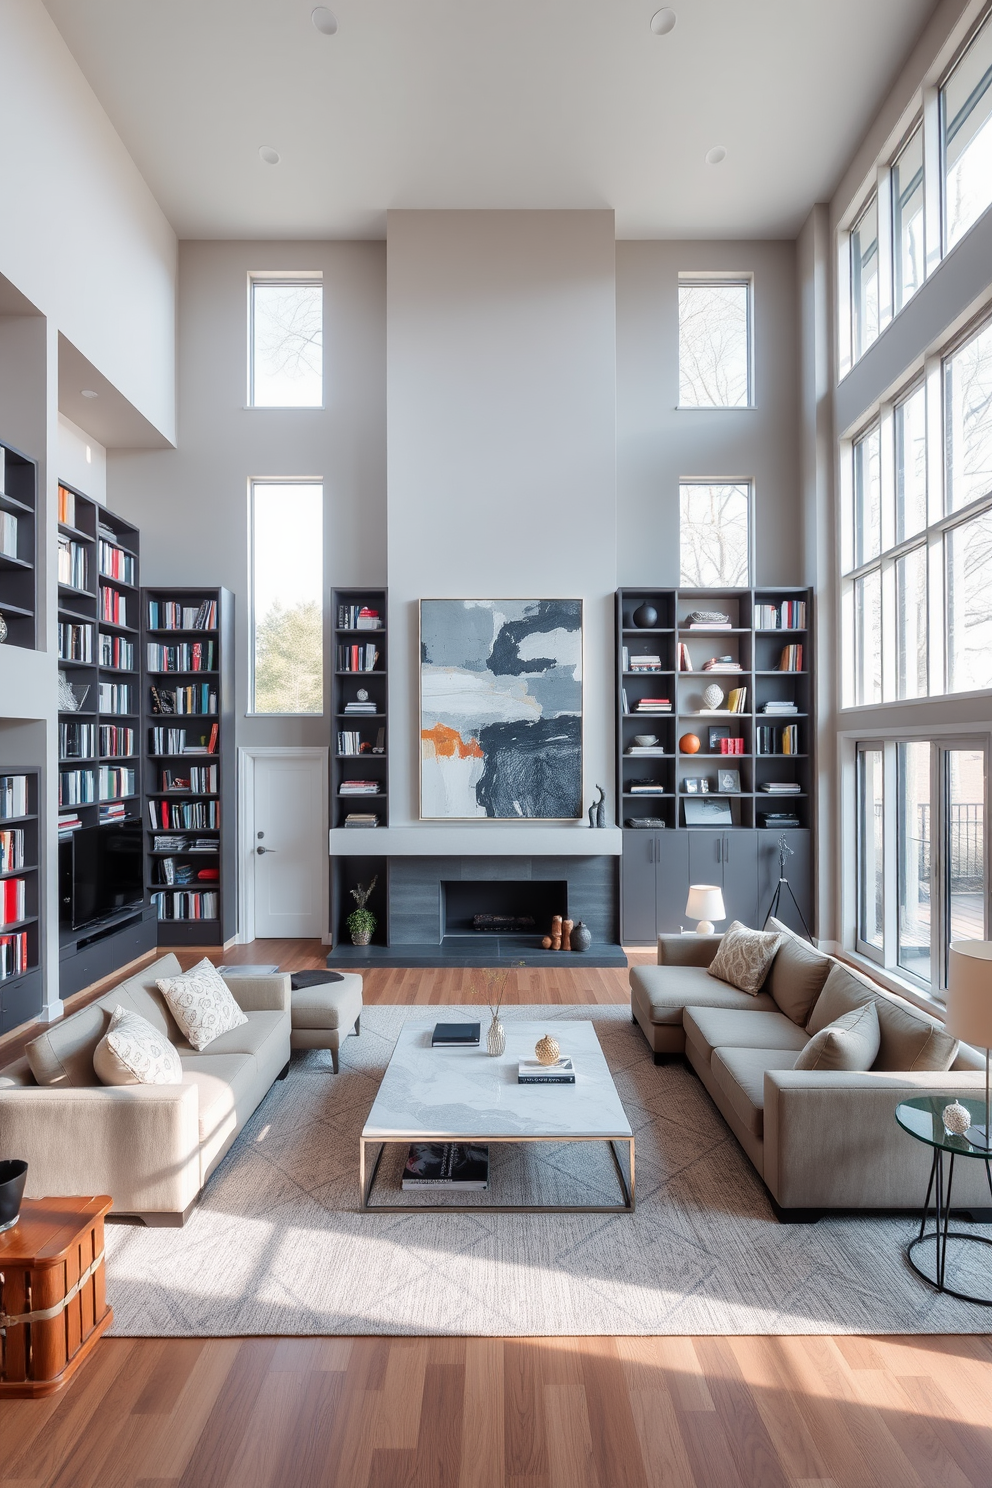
x=489 y=104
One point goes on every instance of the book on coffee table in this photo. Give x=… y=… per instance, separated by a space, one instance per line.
x=453 y=1034
x=462 y=1167
x=533 y=1072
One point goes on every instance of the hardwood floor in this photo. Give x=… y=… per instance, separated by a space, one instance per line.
x=618 y=1412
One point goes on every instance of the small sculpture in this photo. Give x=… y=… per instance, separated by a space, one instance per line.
x=547 y=1050
x=566 y=935
x=581 y=936
x=546 y=942
x=556 y=932
x=597 y=811
x=712 y=695
x=956 y=1118
x=645 y=617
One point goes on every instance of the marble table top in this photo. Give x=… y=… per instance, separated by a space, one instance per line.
x=438 y=1094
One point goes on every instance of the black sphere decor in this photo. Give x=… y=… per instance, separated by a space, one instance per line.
x=13 y=1176
x=645 y=617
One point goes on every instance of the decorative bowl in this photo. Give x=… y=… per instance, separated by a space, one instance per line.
x=13 y=1176
x=645 y=740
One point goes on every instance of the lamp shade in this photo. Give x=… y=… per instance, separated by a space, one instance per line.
x=969 y=992
x=705 y=902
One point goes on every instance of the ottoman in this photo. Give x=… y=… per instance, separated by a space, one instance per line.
x=326 y=1006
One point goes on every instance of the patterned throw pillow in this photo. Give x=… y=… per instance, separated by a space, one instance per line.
x=743 y=957
x=201 y=1003
x=132 y=1052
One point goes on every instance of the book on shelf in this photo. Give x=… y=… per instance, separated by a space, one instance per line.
x=13 y=900
x=791 y=659
x=198 y=697
x=781 y=787
x=710 y=625
x=71 y=563
x=722 y=664
x=654 y=822
x=117 y=741
x=67 y=506
x=114 y=562
x=644 y=750
x=185 y=816
x=778 y=707
x=737 y=700
x=685 y=660
x=359 y=788
x=11 y=849
x=114 y=697
x=731 y=746
x=201 y=780
x=69 y=823
x=461 y=1167
x=113 y=606
x=455 y=1035
x=780 y=819
x=533 y=1072
x=175 y=843
x=116 y=652
x=361 y=819
x=357 y=658
x=77 y=741
x=77 y=787
x=13 y=796
x=358 y=617
x=8 y=534
x=654 y=705
x=784 y=740
x=196 y=904
x=116 y=781
x=75 y=641
x=184 y=656
x=114 y=811
x=369 y=709
x=644 y=788
x=789 y=615
x=644 y=663
x=166 y=614
x=13 y=954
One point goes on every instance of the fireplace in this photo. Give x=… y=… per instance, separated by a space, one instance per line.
x=516 y=907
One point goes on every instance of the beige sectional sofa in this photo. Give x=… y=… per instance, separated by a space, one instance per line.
x=151 y=1147
x=820 y=1139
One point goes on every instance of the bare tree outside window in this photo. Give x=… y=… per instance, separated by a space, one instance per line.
x=968 y=420
x=714 y=534
x=714 y=344
x=287 y=344
x=287 y=541
x=968 y=550
x=966 y=118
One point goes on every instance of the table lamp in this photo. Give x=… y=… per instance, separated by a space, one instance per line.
x=705 y=904
x=969 y=1012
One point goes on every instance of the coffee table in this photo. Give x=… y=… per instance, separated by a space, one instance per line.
x=465 y=1095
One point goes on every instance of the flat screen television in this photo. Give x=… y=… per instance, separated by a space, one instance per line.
x=100 y=873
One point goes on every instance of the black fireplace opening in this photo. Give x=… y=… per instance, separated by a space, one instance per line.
x=517 y=907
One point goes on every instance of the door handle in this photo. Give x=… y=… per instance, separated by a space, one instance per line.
x=261 y=850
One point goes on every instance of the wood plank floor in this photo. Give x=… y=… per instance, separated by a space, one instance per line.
x=618 y=1412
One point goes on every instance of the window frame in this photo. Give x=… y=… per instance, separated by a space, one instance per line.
x=256 y=482
x=719 y=278
x=942 y=228
x=702 y=480
x=275 y=278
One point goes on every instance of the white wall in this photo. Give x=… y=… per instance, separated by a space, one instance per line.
x=80 y=233
x=501 y=439
x=659 y=444
x=82 y=462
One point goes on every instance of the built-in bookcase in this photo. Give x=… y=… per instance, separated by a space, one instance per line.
x=190 y=763
x=359 y=741
x=99 y=663
x=18 y=546
x=21 y=989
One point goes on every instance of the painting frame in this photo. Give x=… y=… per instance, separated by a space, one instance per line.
x=554 y=778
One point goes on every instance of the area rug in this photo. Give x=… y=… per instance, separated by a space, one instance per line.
x=277 y=1244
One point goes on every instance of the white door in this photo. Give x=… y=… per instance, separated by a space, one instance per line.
x=288 y=844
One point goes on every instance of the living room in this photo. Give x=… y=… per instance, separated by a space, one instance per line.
x=635 y=450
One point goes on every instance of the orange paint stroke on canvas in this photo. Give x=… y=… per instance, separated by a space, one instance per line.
x=446 y=742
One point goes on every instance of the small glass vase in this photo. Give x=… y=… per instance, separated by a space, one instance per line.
x=496 y=1038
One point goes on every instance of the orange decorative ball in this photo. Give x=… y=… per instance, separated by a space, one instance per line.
x=689 y=744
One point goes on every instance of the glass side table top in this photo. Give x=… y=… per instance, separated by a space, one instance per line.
x=922 y=1118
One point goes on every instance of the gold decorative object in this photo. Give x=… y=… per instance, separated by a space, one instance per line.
x=556 y=932
x=566 y=935
x=547 y=1050
x=546 y=942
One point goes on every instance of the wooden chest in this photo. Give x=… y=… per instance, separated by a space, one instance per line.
x=53 y=1306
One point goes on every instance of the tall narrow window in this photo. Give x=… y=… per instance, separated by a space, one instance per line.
x=965 y=844
x=910 y=422
x=966 y=137
x=864 y=279
x=911 y=624
x=871 y=877
x=287 y=587
x=714 y=343
x=286 y=341
x=714 y=535
x=968 y=420
x=867 y=498
x=913 y=840
x=868 y=637
x=908 y=250
x=968 y=582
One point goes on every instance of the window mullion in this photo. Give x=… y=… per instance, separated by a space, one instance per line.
x=885 y=287
x=932 y=214
x=890 y=862
x=938 y=864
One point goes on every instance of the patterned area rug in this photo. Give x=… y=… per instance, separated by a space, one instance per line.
x=278 y=1246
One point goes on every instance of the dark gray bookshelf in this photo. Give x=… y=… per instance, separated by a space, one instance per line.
x=22 y=992
x=18 y=567
x=346 y=683
x=165 y=766
x=663 y=849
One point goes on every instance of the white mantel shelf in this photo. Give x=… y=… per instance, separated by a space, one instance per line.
x=453 y=840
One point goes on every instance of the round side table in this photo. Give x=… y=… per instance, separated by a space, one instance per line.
x=922 y=1118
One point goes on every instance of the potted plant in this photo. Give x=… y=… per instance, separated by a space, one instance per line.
x=362 y=922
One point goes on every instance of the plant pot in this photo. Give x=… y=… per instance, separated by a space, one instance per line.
x=13 y=1176
x=361 y=937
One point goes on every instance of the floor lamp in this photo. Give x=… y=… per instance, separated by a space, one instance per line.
x=784 y=851
x=969 y=1013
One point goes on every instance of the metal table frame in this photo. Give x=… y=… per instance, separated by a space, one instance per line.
x=942 y=1231
x=365 y=1188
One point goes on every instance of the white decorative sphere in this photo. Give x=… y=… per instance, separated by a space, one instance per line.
x=713 y=696
x=956 y=1118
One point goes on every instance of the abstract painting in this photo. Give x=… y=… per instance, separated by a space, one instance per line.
x=500 y=708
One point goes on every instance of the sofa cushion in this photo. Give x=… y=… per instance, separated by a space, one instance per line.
x=144 y=996
x=739 y=1074
x=328 y=1004
x=741 y=1028
x=224 y=1081
x=668 y=990
x=909 y=1039
x=63 y=1054
x=744 y=956
x=851 y=1043
x=132 y=1052
x=201 y=1003
x=797 y=974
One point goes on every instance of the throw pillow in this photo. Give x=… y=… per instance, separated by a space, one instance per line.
x=744 y=956
x=910 y=1040
x=797 y=975
x=849 y=1044
x=201 y=1003
x=132 y=1052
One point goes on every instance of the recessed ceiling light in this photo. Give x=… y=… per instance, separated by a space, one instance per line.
x=270 y=156
x=89 y=393
x=663 y=21
x=325 y=20
x=716 y=156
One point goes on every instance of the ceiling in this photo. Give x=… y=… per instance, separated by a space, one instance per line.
x=489 y=104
